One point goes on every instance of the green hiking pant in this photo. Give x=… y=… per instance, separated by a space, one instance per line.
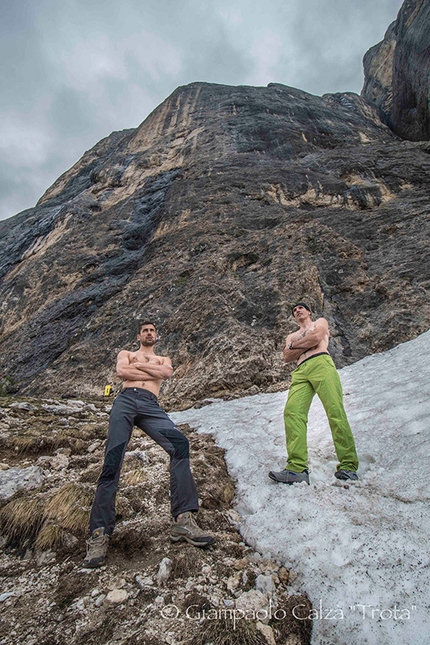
x=317 y=375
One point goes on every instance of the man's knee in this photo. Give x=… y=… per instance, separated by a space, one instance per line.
x=293 y=415
x=182 y=446
x=112 y=463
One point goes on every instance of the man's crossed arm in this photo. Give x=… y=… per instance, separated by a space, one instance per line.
x=139 y=371
x=301 y=341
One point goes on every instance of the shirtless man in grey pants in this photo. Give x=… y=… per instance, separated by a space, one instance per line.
x=142 y=373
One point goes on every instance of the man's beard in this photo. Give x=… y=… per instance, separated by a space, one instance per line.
x=148 y=343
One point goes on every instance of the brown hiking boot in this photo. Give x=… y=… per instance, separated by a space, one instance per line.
x=186 y=528
x=96 y=549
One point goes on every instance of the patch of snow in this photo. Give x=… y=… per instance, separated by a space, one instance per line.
x=361 y=550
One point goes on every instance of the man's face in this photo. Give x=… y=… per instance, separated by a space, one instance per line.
x=147 y=336
x=300 y=312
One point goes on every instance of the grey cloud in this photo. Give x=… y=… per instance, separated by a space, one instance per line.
x=73 y=72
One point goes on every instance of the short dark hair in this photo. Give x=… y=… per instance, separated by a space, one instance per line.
x=141 y=323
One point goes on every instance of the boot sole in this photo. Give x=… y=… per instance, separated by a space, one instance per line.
x=94 y=564
x=280 y=481
x=178 y=538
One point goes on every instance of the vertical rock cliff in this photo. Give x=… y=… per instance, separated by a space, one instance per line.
x=397 y=73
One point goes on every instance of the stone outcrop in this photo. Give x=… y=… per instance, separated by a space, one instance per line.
x=397 y=73
x=224 y=207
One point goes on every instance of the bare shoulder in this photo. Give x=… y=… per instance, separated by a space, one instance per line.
x=322 y=322
x=124 y=353
x=322 y=325
x=165 y=360
x=124 y=356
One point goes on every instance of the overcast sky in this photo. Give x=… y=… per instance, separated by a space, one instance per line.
x=72 y=71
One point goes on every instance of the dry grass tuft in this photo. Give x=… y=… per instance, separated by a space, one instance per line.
x=50 y=537
x=70 y=508
x=225 y=630
x=20 y=520
x=285 y=624
x=134 y=477
x=91 y=474
x=34 y=443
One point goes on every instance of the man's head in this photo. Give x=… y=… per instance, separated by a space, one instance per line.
x=299 y=309
x=146 y=333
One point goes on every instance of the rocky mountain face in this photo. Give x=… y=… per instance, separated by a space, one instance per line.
x=397 y=73
x=226 y=206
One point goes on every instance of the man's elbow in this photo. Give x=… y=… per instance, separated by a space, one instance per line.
x=168 y=371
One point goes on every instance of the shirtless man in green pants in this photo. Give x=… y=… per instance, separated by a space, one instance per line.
x=315 y=373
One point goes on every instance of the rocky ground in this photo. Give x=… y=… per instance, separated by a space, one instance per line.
x=151 y=591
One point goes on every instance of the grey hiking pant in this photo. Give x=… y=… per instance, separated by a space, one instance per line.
x=136 y=406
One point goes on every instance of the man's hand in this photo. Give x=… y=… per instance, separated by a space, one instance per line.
x=311 y=337
x=291 y=355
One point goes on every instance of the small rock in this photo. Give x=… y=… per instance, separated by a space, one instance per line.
x=116 y=584
x=267 y=632
x=44 y=557
x=268 y=565
x=115 y=597
x=14 y=479
x=100 y=600
x=241 y=564
x=93 y=447
x=61 y=409
x=69 y=540
x=59 y=462
x=24 y=405
x=56 y=462
x=234 y=516
x=251 y=601
x=144 y=583
x=292 y=575
x=78 y=402
x=233 y=582
x=80 y=605
x=64 y=451
x=136 y=454
x=283 y=575
x=265 y=584
x=44 y=461
x=164 y=570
